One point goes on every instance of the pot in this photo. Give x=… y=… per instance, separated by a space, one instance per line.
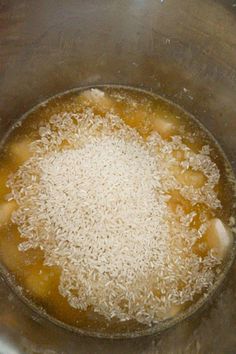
x=184 y=51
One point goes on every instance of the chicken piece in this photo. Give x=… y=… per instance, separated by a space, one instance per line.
x=174 y=310
x=11 y=257
x=4 y=175
x=192 y=178
x=139 y=119
x=39 y=282
x=98 y=99
x=219 y=237
x=164 y=126
x=6 y=210
x=20 y=151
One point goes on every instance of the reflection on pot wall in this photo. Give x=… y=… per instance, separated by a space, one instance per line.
x=183 y=50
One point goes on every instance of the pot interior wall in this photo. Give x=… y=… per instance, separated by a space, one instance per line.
x=184 y=51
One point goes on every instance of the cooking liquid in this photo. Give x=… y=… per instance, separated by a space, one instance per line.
x=146 y=113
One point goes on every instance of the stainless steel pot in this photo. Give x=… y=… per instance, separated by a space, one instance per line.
x=184 y=50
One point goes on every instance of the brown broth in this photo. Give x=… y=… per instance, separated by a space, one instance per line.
x=140 y=110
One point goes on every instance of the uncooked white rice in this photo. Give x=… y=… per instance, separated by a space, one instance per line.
x=94 y=197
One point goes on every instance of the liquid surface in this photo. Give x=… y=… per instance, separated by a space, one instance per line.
x=199 y=200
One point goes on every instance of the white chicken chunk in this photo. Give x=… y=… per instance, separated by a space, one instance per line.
x=6 y=210
x=20 y=151
x=219 y=237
